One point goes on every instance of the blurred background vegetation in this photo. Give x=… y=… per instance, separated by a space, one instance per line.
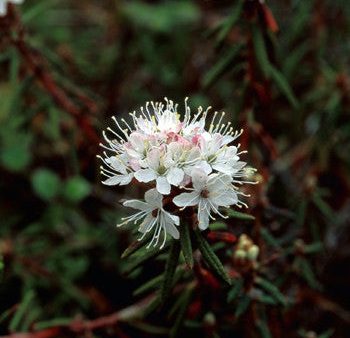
x=279 y=69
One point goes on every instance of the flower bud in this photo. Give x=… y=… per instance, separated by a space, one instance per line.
x=240 y=254
x=209 y=319
x=253 y=253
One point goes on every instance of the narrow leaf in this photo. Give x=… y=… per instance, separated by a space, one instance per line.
x=242 y=306
x=240 y=215
x=267 y=236
x=171 y=264
x=327 y=334
x=152 y=306
x=260 y=51
x=230 y=21
x=235 y=290
x=272 y=289
x=22 y=310
x=283 y=86
x=263 y=329
x=313 y=247
x=181 y=314
x=210 y=257
x=52 y=323
x=266 y=300
x=141 y=257
x=133 y=247
x=308 y=274
x=186 y=245
x=155 y=282
x=219 y=68
x=218 y=226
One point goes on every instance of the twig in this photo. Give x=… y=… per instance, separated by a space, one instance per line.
x=79 y=326
x=36 y=64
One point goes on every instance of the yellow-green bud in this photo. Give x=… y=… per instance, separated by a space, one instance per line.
x=240 y=254
x=253 y=252
x=209 y=319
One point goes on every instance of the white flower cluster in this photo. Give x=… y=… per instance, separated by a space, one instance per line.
x=3 y=5
x=185 y=164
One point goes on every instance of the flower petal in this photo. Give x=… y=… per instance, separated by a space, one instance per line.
x=163 y=186
x=174 y=219
x=115 y=180
x=3 y=8
x=116 y=164
x=225 y=168
x=153 y=158
x=154 y=198
x=224 y=198
x=170 y=227
x=145 y=175
x=203 y=216
x=175 y=176
x=186 y=199
x=147 y=223
x=136 y=204
x=199 y=179
x=126 y=179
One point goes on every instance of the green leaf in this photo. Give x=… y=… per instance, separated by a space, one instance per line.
x=16 y=156
x=239 y=215
x=133 y=247
x=155 y=304
x=218 y=226
x=263 y=329
x=136 y=245
x=306 y=271
x=21 y=312
x=52 y=323
x=161 y=17
x=186 y=245
x=155 y=282
x=313 y=247
x=230 y=21
x=171 y=264
x=272 y=289
x=14 y=67
x=210 y=257
x=327 y=334
x=260 y=51
x=294 y=58
x=235 y=290
x=242 y=306
x=46 y=184
x=76 y=189
x=185 y=300
x=267 y=236
x=283 y=85
x=219 y=68
x=265 y=299
x=36 y=10
x=326 y=210
x=142 y=256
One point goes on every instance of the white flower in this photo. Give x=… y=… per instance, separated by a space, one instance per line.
x=155 y=218
x=3 y=5
x=117 y=172
x=159 y=171
x=209 y=192
x=174 y=153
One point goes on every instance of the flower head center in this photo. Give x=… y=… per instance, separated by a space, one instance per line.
x=162 y=170
x=205 y=193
